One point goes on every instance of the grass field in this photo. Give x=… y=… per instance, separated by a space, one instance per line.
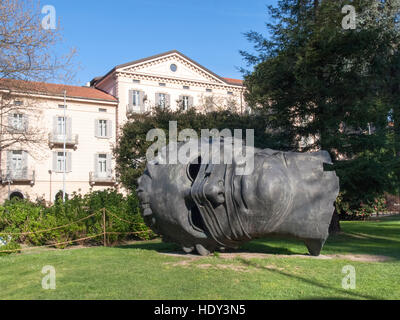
x=143 y=270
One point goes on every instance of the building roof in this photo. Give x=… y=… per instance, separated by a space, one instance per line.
x=56 y=89
x=226 y=80
x=234 y=81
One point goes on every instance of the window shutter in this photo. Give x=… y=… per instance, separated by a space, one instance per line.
x=190 y=102
x=10 y=121
x=68 y=127
x=130 y=97
x=141 y=96
x=96 y=128
x=25 y=122
x=109 y=164
x=96 y=163
x=109 y=129
x=55 y=119
x=157 y=100
x=141 y=101
x=69 y=162
x=167 y=100
x=24 y=160
x=55 y=161
x=9 y=161
x=180 y=102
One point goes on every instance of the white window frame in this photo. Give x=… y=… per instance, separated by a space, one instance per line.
x=102 y=164
x=17 y=161
x=61 y=161
x=61 y=126
x=185 y=102
x=103 y=128
x=162 y=98
x=136 y=98
x=18 y=121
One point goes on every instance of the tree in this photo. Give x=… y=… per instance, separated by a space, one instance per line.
x=130 y=153
x=27 y=50
x=27 y=54
x=329 y=86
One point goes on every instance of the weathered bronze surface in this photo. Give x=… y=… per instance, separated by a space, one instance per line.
x=205 y=207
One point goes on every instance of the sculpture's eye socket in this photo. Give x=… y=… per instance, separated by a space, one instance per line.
x=193 y=169
x=196 y=219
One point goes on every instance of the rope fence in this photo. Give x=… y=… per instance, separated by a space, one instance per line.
x=104 y=212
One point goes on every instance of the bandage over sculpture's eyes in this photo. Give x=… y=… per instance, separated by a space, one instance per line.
x=206 y=206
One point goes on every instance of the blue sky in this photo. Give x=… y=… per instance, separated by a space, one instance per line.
x=108 y=33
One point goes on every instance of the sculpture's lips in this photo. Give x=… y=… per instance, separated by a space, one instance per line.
x=217 y=205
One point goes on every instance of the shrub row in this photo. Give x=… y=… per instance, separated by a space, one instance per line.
x=360 y=208
x=123 y=219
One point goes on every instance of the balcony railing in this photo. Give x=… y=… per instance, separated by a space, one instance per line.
x=102 y=178
x=135 y=109
x=21 y=176
x=58 y=140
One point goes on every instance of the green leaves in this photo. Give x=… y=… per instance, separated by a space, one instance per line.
x=315 y=79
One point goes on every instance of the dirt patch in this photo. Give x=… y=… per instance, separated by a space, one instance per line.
x=249 y=255
x=362 y=257
x=189 y=263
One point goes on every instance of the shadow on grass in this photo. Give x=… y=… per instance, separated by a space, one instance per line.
x=380 y=238
x=253 y=247
x=356 y=243
x=345 y=243
x=310 y=282
x=152 y=246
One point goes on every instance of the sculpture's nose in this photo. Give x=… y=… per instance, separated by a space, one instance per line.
x=215 y=193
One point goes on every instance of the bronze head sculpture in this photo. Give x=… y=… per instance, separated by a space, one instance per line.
x=205 y=206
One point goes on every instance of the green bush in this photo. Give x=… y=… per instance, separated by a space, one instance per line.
x=9 y=248
x=36 y=224
x=359 y=208
x=132 y=146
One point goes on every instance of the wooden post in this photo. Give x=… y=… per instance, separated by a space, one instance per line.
x=104 y=227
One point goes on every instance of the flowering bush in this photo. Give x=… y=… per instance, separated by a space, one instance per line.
x=360 y=209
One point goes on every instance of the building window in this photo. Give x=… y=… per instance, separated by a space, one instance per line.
x=230 y=93
x=102 y=110
x=61 y=128
x=173 y=67
x=61 y=106
x=16 y=161
x=185 y=102
x=136 y=98
x=18 y=121
x=161 y=100
x=102 y=128
x=102 y=164
x=162 y=84
x=135 y=81
x=208 y=90
x=60 y=162
x=18 y=103
x=186 y=87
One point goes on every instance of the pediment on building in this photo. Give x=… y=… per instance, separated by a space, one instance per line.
x=172 y=64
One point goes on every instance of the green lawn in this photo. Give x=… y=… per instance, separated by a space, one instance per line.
x=142 y=271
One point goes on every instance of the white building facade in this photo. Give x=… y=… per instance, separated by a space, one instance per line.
x=90 y=119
